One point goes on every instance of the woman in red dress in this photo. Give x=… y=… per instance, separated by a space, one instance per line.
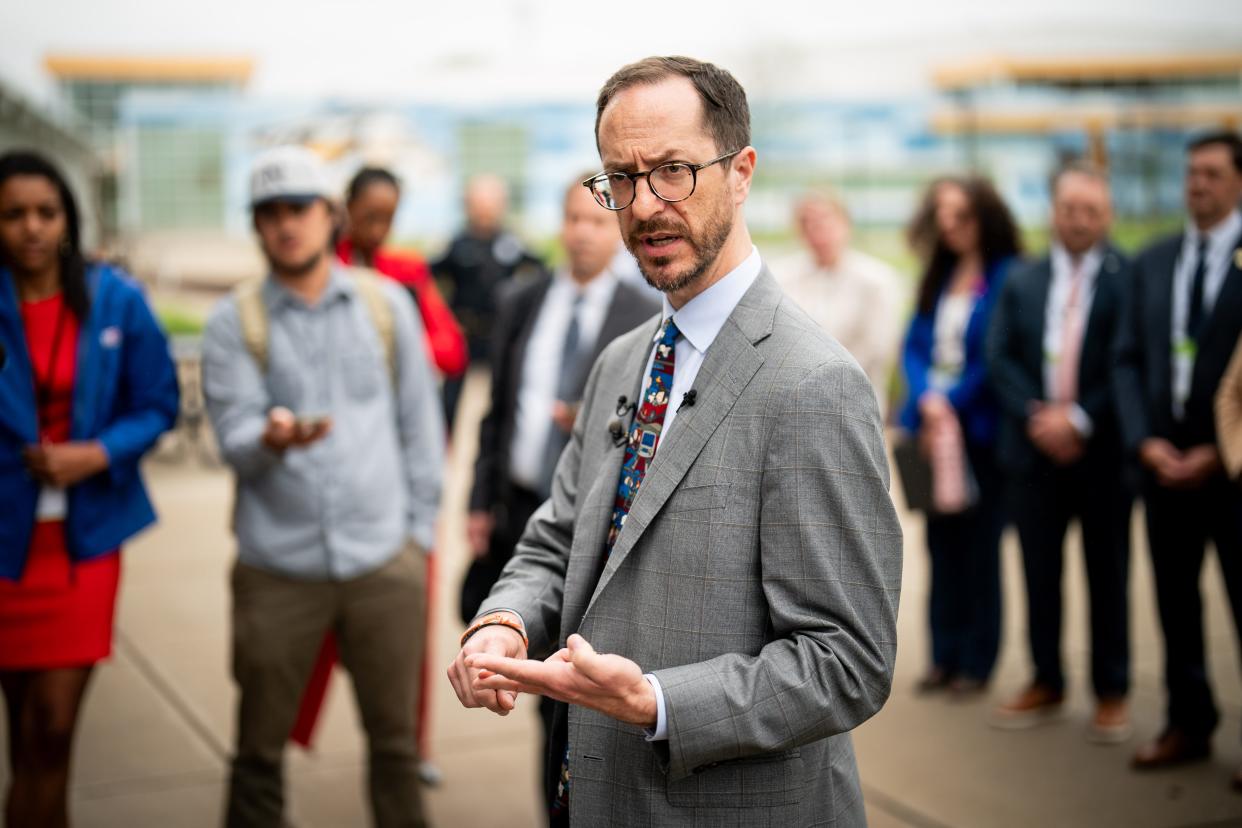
x=85 y=388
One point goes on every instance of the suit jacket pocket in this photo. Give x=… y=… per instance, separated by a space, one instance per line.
x=754 y=781
x=695 y=498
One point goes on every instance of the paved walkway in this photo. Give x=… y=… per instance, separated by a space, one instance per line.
x=158 y=722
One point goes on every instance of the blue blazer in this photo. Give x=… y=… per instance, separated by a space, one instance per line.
x=125 y=395
x=972 y=397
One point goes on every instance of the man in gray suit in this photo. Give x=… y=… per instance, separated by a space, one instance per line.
x=738 y=556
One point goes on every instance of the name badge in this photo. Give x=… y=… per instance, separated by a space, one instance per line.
x=53 y=504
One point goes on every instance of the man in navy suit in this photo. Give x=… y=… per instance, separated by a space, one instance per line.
x=1049 y=351
x=1181 y=325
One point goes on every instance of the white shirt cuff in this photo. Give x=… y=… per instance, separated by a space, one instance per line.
x=660 y=734
x=1081 y=422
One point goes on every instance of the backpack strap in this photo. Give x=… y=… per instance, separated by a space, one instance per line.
x=252 y=314
x=370 y=287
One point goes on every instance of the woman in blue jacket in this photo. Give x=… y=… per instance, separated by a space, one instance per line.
x=86 y=387
x=967 y=238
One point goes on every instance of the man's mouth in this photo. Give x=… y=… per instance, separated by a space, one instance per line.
x=659 y=243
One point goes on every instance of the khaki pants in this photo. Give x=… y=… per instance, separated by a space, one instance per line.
x=278 y=626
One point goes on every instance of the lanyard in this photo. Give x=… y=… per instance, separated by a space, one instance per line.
x=43 y=385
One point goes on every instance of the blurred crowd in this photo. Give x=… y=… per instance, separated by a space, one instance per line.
x=1032 y=390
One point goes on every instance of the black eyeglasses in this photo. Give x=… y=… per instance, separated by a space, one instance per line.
x=672 y=181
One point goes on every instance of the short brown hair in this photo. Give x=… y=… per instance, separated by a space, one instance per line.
x=1226 y=138
x=726 y=113
x=1081 y=167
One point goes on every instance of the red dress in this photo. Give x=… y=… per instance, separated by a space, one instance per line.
x=60 y=613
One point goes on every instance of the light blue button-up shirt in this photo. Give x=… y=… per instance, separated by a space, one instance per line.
x=343 y=506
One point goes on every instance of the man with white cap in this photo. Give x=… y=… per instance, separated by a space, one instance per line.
x=320 y=394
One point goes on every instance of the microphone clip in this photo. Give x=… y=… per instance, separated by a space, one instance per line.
x=616 y=430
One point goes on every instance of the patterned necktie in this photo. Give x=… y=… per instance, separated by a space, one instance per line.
x=641 y=447
x=645 y=433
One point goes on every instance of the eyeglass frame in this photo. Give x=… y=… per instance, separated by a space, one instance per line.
x=634 y=176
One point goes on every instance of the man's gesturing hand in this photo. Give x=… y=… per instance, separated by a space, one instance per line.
x=496 y=641
x=578 y=675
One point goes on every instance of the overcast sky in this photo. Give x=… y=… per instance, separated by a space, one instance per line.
x=495 y=49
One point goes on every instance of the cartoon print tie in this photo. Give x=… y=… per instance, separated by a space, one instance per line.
x=645 y=433
x=641 y=447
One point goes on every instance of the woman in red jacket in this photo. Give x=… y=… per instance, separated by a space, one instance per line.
x=370 y=204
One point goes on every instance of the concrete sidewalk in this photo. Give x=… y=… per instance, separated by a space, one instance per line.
x=158 y=723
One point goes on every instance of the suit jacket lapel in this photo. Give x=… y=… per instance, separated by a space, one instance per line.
x=1041 y=289
x=590 y=538
x=1110 y=266
x=1229 y=297
x=729 y=365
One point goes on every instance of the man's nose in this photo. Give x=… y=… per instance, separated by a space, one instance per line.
x=646 y=202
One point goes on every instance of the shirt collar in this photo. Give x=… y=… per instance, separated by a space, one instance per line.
x=701 y=319
x=339 y=285
x=1224 y=233
x=1062 y=260
x=598 y=290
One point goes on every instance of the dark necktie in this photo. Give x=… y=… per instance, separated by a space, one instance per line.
x=639 y=450
x=572 y=355
x=1195 y=315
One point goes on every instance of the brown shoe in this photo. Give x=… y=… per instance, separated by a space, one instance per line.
x=1034 y=706
x=1173 y=747
x=1111 y=723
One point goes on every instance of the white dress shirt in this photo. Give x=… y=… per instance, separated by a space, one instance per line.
x=859 y=302
x=699 y=321
x=1056 y=315
x=541 y=366
x=1219 y=254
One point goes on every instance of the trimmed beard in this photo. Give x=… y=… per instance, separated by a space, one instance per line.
x=715 y=233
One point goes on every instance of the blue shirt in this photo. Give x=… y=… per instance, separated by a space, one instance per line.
x=343 y=506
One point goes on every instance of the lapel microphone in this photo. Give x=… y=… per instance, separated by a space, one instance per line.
x=615 y=430
x=687 y=399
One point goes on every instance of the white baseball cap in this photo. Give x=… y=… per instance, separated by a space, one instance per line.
x=289 y=173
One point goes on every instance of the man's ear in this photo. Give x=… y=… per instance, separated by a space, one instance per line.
x=743 y=169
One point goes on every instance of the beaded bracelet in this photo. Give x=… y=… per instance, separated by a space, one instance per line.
x=494 y=620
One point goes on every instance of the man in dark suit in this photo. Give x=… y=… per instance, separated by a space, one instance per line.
x=1049 y=351
x=1181 y=324
x=481 y=265
x=548 y=334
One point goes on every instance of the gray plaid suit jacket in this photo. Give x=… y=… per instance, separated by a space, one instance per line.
x=757 y=576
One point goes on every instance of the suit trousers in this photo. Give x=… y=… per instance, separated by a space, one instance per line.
x=965 y=603
x=278 y=626
x=1043 y=501
x=1179 y=525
